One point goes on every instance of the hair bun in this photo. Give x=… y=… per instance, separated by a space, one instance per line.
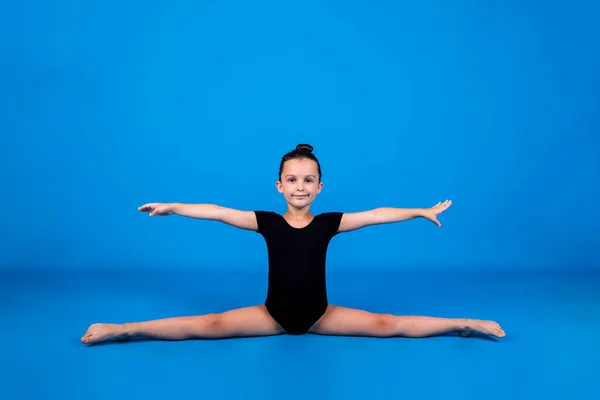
x=305 y=147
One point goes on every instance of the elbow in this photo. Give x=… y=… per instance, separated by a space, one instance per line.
x=379 y=216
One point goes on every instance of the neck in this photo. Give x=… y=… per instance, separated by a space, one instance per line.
x=299 y=214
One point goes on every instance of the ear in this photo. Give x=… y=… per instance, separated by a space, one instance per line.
x=319 y=187
x=279 y=186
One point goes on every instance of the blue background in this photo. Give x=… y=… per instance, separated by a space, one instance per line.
x=109 y=105
x=105 y=107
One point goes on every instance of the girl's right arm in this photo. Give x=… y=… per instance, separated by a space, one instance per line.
x=239 y=219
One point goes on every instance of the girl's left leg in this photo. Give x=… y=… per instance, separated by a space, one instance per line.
x=344 y=321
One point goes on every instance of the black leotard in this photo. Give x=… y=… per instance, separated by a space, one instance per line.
x=297 y=294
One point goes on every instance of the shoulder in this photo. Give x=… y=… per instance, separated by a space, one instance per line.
x=266 y=219
x=266 y=215
x=332 y=219
x=262 y=213
x=330 y=215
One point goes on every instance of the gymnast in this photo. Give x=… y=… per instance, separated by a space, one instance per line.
x=296 y=300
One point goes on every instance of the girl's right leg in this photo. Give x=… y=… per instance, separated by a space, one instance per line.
x=248 y=321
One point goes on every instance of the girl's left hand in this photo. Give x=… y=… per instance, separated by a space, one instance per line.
x=432 y=213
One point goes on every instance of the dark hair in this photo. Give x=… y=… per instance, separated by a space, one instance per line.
x=302 y=151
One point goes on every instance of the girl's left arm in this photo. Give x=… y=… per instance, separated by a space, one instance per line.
x=387 y=215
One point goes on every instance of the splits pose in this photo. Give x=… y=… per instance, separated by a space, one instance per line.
x=296 y=301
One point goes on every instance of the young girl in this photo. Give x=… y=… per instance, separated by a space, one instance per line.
x=297 y=242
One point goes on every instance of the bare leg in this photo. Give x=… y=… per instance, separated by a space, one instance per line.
x=352 y=322
x=248 y=321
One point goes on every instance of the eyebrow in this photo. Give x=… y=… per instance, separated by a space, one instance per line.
x=308 y=176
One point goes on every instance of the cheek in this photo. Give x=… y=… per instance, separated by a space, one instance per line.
x=312 y=188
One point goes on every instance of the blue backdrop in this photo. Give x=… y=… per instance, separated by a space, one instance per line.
x=104 y=107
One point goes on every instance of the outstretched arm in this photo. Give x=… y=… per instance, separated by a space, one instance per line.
x=386 y=215
x=213 y=212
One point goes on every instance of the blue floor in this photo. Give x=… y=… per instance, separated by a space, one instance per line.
x=551 y=350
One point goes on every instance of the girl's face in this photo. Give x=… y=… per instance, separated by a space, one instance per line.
x=300 y=182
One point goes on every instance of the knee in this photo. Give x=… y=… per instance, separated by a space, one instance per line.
x=211 y=323
x=385 y=324
x=202 y=325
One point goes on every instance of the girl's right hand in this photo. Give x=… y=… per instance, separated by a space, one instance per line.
x=160 y=209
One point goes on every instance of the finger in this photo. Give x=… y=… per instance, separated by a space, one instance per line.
x=445 y=204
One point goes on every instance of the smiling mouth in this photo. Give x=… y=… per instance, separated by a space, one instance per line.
x=300 y=195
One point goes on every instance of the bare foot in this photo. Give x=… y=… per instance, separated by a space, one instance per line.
x=97 y=333
x=486 y=327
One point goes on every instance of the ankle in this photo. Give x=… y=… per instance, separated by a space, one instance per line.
x=465 y=324
x=127 y=330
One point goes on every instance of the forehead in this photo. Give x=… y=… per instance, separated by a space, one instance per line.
x=302 y=166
